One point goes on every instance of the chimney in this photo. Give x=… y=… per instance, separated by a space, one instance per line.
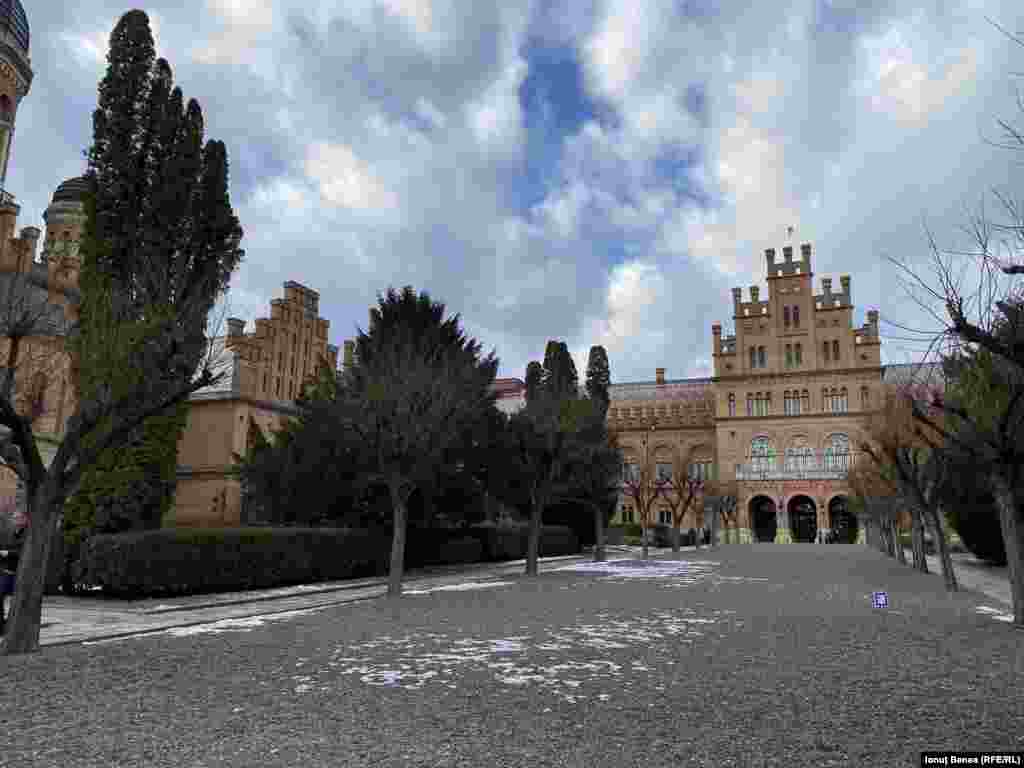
x=659 y=375
x=826 y=284
x=737 y=297
x=235 y=327
x=873 y=321
x=754 y=291
x=844 y=281
x=787 y=252
x=716 y=329
x=805 y=252
x=30 y=235
x=769 y=254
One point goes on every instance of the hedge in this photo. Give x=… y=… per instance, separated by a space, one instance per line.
x=196 y=560
x=508 y=541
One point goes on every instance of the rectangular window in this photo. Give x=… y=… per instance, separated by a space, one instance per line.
x=799 y=354
x=732 y=405
x=789 y=355
x=824 y=346
x=753 y=357
x=761 y=357
x=750 y=405
x=663 y=471
x=796 y=317
x=785 y=316
x=665 y=516
x=835 y=350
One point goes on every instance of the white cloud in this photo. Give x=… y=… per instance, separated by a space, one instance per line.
x=495 y=118
x=345 y=179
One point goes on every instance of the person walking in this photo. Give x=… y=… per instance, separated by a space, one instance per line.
x=8 y=569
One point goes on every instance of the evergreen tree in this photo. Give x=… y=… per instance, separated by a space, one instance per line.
x=550 y=378
x=569 y=379
x=534 y=380
x=153 y=265
x=598 y=378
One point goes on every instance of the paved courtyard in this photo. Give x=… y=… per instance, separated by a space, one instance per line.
x=747 y=656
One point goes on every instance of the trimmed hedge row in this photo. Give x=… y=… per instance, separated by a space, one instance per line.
x=178 y=561
x=195 y=560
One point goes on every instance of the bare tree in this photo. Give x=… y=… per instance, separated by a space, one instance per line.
x=680 y=491
x=643 y=488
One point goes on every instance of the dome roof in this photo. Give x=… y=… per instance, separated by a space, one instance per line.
x=14 y=21
x=71 y=190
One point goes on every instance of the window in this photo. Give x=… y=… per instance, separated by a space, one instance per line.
x=826 y=401
x=785 y=316
x=665 y=516
x=799 y=354
x=824 y=346
x=789 y=355
x=753 y=357
x=837 y=452
x=787 y=404
x=805 y=402
x=768 y=404
x=750 y=405
x=631 y=473
x=835 y=349
x=761 y=454
x=792 y=403
x=844 y=405
x=865 y=398
x=796 y=317
x=799 y=457
x=700 y=470
x=732 y=404
x=627 y=514
x=761 y=357
x=663 y=472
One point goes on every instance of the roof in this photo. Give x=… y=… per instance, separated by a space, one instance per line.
x=14 y=19
x=920 y=374
x=675 y=389
x=223 y=360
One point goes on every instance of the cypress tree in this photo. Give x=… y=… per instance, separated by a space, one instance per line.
x=568 y=378
x=598 y=378
x=155 y=193
x=534 y=380
x=551 y=378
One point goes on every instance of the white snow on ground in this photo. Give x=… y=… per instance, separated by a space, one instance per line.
x=565 y=661
x=457 y=587
x=673 y=574
x=996 y=613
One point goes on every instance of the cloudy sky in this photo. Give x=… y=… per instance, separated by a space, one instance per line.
x=597 y=171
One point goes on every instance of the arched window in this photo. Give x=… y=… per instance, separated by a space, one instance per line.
x=785 y=316
x=789 y=355
x=835 y=349
x=844 y=405
x=753 y=357
x=787 y=404
x=865 y=398
x=761 y=357
x=824 y=346
x=732 y=404
x=750 y=405
x=805 y=402
x=837 y=452
x=796 y=318
x=826 y=404
x=761 y=454
x=767 y=403
x=799 y=354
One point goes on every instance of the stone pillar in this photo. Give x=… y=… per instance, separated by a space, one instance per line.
x=783 y=531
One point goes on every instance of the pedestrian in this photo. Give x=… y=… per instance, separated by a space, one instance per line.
x=8 y=568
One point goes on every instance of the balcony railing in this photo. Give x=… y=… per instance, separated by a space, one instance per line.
x=802 y=468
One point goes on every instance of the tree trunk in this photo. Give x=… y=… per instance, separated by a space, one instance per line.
x=917 y=541
x=533 y=537
x=896 y=543
x=400 y=516
x=598 y=534
x=22 y=631
x=714 y=526
x=643 y=539
x=1011 y=522
x=675 y=539
x=939 y=534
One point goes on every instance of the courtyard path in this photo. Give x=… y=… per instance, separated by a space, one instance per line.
x=762 y=655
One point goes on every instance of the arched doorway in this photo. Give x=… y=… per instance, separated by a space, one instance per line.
x=843 y=521
x=803 y=518
x=762 y=518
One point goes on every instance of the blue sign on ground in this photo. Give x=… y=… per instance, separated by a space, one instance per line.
x=880 y=599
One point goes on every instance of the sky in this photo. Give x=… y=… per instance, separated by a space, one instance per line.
x=598 y=172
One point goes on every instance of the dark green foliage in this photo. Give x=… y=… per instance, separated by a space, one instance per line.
x=971 y=510
x=559 y=378
x=534 y=378
x=598 y=378
x=197 y=560
x=507 y=541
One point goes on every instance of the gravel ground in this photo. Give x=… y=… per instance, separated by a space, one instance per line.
x=749 y=656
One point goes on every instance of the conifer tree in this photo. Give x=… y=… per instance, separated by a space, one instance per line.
x=598 y=378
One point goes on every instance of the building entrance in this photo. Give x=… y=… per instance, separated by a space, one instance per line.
x=763 y=518
x=803 y=518
x=843 y=521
